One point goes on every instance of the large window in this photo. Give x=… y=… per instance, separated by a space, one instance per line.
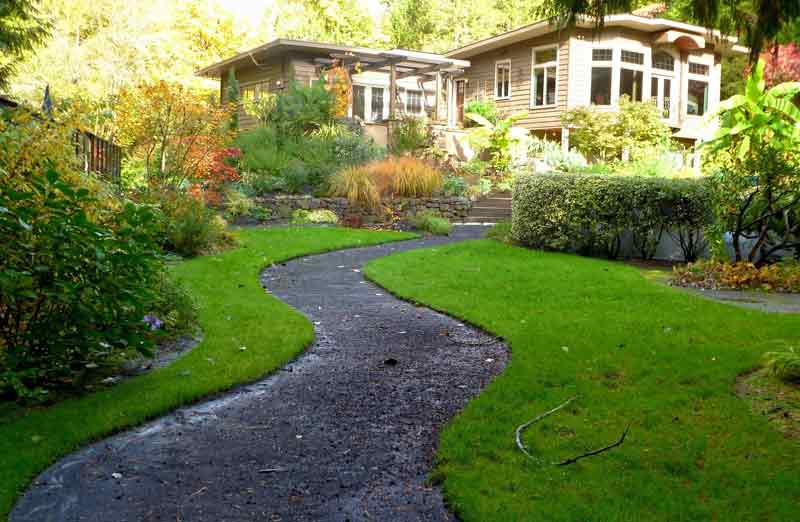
x=545 y=76
x=631 y=79
x=697 y=89
x=413 y=102
x=697 y=98
x=377 y=103
x=601 y=76
x=502 y=80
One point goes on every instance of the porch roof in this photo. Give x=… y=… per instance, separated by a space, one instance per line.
x=406 y=63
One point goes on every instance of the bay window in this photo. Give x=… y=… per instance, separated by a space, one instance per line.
x=544 y=76
x=631 y=77
x=697 y=89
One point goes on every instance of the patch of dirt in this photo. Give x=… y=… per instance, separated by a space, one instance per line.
x=778 y=401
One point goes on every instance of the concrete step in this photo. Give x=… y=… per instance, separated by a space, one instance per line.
x=493 y=203
x=488 y=211
x=485 y=219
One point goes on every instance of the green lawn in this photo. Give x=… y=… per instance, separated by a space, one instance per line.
x=234 y=312
x=636 y=352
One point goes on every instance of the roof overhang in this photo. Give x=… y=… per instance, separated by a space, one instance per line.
x=407 y=63
x=722 y=43
x=680 y=39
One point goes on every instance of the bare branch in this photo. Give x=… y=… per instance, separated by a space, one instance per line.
x=598 y=451
x=523 y=427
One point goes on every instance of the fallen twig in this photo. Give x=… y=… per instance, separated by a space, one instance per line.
x=271 y=470
x=523 y=427
x=598 y=451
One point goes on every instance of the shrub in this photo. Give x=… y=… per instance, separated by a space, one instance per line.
x=783 y=365
x=742 y=275
x=484 y=108
x=454 y=186
x=410 y=135
x=590 y=214
x=433 y=223
x=498 y=140
x=302 y=109
x=636 y=127
x=356 y=184
x=500 y=232
x=305 y=217
x=189 y=227
x=392 y=177
x=72 y=292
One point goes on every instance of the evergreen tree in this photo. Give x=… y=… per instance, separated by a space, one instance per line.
x=234 y=97
x=22 y=29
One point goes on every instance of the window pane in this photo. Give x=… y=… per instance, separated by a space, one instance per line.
x=698 y=68
x=538 y=86
x=545 y=55
x=503 y=79
x=663 y=61
x=697 y=99
x=550 y=92
x=358 y=101
x=413 y=102
x=601 y=86
x=667 y=104
x=601 y=55
x=633 y=57
x=377 y=103
x=630 y=83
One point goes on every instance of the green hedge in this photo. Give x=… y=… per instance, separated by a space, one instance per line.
x=590 y=214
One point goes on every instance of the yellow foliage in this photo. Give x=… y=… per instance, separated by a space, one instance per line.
x=392 y=177
x=778 y=277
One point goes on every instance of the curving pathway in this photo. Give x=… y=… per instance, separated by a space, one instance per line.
x=347 y=432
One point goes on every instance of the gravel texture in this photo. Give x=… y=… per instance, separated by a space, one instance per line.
x=347 y=432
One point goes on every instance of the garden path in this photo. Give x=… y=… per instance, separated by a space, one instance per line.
x=347 y=432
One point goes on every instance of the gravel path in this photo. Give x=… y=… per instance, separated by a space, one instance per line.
x=347 y=432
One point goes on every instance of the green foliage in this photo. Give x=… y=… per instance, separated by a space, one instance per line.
x=636 y=128
x=755 y=169
x=590 y=214
x=260 y=108
x=783 y=365
x=500 y=232
x=485 y=108
x=454 y=186
x=431 y=222
x=410 y=135
x=302 y=109
x=188 y=227
x=317 y=216
x=22 y=29
x=234 y=97
x=497 y=139
x=296 y=164
x=72 y=291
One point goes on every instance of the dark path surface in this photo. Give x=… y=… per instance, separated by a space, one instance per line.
x=346 y=432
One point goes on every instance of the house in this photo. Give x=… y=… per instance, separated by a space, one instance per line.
x=539 y=68
x=385 y=83
x=545 y=71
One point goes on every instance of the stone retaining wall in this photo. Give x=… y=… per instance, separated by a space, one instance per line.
x=281 y=207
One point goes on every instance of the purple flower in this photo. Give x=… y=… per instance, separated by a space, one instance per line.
x=154 y=322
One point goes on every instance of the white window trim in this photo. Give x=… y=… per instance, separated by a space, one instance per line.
x=404 y=99
x=613 y=64
x=369 y=117
x=700 y=60
x=545 y=66
x=507 y=62
x=673 y=76
x=616 y=64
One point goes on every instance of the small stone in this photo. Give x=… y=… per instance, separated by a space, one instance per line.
x=116 y=475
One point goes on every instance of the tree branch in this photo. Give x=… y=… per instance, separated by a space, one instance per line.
x=598 y=451
x=523 y=427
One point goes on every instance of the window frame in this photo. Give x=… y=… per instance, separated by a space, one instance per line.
x=497 y=64
x=545 y=66
x=635 y=67
x=703 y=78
x=604 y=64
x=421 y=101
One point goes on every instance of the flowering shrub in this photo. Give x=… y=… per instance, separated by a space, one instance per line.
x=304 y=217
x=718 y=275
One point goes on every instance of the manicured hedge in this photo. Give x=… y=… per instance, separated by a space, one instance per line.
x=590 y=214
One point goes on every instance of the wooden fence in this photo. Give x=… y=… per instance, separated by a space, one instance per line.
x=98 y=155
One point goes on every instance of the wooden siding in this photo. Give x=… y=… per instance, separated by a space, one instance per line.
x=267 y=77
x=480 y=76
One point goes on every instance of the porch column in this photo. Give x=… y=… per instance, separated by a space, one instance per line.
x=392 y=92
x=438 y=91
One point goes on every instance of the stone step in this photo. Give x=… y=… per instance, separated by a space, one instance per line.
x=493 y=203
x=493 y=212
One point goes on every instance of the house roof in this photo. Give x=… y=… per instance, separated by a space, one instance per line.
x=407 y=62
x=722 y=43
